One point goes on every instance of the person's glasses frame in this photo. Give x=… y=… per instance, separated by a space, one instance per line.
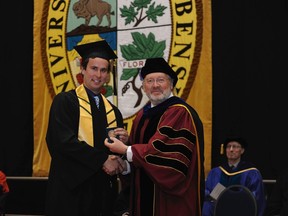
x=160 y=80
x=233 y=146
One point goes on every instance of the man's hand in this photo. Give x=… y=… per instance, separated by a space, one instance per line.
x=122 y=134
x=116 y=145
x=114 y=165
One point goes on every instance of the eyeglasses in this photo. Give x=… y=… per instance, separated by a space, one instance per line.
x=151 y=81
x=233 y=146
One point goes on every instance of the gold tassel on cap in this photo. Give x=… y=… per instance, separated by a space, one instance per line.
x=222 y=149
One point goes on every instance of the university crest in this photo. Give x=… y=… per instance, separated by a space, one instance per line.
x=136 y=30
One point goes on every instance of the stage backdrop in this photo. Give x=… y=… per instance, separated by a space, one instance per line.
x=179 y=31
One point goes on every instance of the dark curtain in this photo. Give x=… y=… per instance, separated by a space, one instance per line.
x=16 y=145
x=249 y=52
x=249 y=55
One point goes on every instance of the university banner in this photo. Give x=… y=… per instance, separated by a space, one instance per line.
x=177 y=30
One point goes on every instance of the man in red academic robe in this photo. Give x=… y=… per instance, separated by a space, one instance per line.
x=166 y=149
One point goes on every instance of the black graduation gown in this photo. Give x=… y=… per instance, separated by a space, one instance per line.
x=77 y=185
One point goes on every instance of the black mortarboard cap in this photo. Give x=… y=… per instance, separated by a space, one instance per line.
x=99 y=49
x=153 y=65
x=240 y=140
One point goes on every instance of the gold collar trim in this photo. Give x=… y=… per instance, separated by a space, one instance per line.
x=236 y=173
x=85 y=131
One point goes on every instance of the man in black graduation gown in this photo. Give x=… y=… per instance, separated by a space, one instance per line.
x=83 y=173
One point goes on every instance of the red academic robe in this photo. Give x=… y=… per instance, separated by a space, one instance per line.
x=168 y=175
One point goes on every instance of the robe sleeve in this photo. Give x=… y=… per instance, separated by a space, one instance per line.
x=3 y=183
x=211 y=181
x=255 y=184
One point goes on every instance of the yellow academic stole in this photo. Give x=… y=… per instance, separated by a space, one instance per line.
x=85 y=131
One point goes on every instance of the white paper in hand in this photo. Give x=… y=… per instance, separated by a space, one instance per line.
x=217 y=190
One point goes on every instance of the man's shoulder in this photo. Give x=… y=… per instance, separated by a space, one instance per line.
x=112 y=104
x=64 y=97
x=215 y=170
x=246 y=165
x=177 y=101
x=69 y=93
x=180 y=103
